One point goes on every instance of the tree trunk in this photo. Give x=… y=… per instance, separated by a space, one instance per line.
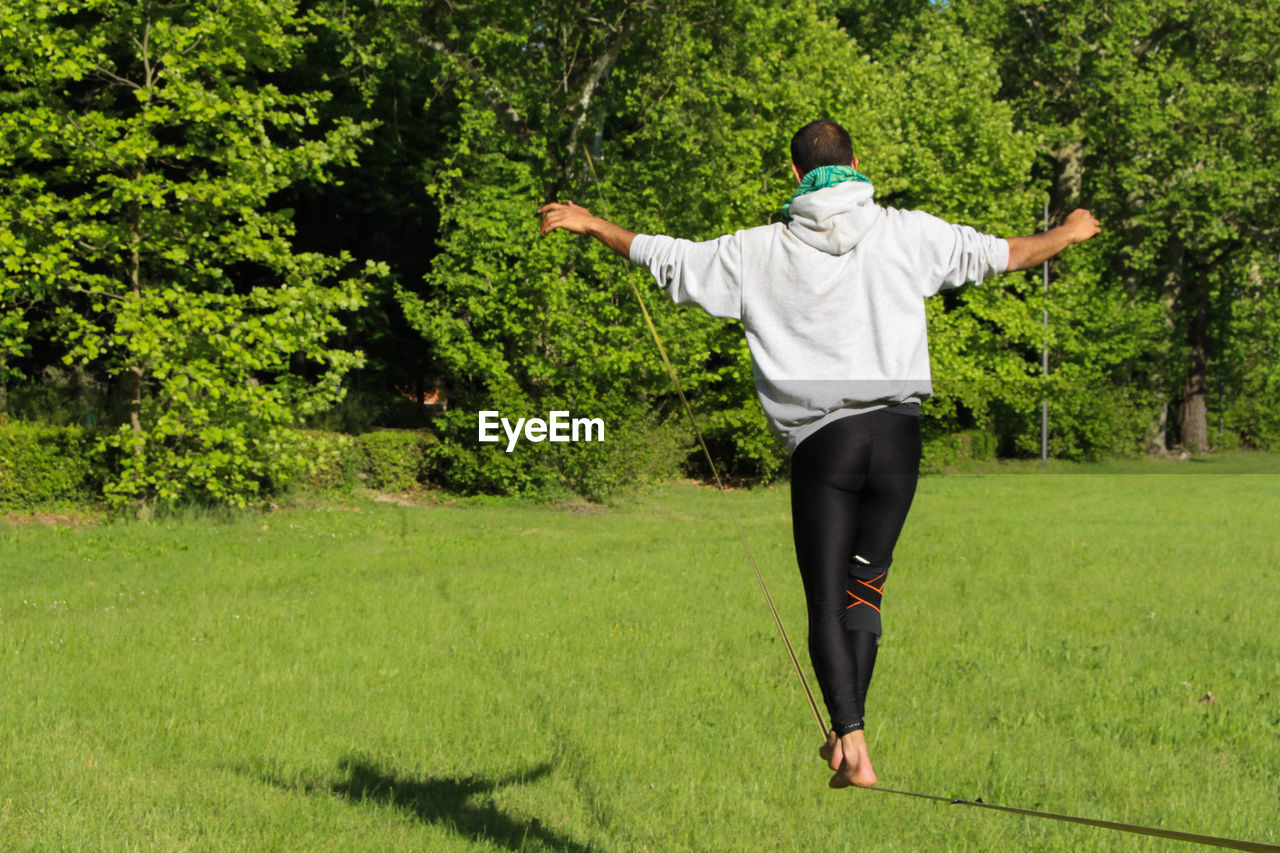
x=1068 y=180
x=136 y=371
x=1193 y=414
x=135 y=402
x=134 y=267
x=1158 y=438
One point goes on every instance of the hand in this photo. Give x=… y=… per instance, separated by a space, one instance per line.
x=1081 y=225
x=570 y=217
x=1033 y=250
x=579 y=220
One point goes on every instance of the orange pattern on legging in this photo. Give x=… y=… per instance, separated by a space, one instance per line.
x=871 y=585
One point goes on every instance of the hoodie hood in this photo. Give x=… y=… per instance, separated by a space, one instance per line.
x=835 y=219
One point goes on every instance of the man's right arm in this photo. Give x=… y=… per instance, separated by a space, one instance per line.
x=579 y=220
x=707 y=273
x=1027 y=252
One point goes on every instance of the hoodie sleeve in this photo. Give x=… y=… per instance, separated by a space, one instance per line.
x=708 y=274
x=955 y=255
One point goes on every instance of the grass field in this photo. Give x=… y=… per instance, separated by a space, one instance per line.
x=497 y=675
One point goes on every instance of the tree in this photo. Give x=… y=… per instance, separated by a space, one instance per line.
x=141 y=152
x=372 y=55
x=676 y=116
x=1249 y=364
x=1163 y=116
x=955 y=152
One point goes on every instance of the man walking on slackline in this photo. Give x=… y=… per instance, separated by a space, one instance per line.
x=832 y=303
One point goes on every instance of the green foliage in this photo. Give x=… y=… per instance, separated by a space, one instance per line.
x=742 y=446
x=1224 y=441
x=393 y=460
x=184 y=209
x=1250 y=363
x=217 y=432
x=1091 y=419
x=622 y=114
x=1162 y=117
x=460 y=463
x=950 y=450
x=633 y=452
x=335 y=464
x=41 y=465
x=137 y=231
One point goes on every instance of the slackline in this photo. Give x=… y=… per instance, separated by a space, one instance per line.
x=1192 y=837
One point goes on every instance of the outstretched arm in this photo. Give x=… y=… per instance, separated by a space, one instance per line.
x=1027 y=252
x=579 y=220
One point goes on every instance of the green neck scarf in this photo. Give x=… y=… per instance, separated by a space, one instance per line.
x=821 y=178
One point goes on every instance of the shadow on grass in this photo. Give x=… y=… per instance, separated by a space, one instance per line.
x=457 y=803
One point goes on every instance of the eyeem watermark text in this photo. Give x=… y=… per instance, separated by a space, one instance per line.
x=558 y=426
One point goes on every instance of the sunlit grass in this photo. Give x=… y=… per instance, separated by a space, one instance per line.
x=499 y=675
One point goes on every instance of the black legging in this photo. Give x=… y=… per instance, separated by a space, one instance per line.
x=851 y=487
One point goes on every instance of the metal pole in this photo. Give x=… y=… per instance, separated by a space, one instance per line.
x=1044 y=360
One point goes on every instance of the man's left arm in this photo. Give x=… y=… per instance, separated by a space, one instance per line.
x=579 y=220
x=1027 y=252
x=956 y=255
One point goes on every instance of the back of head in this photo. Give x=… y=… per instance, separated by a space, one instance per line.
x=821 y=143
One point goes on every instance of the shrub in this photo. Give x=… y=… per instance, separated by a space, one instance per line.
x=459 y=463
x=44 y=464
x=1223 y=440
x=635 y=450
x=335 y=463
x=741 y=444
x=951 y=450
x=1256 y=420
x=47 y=464
x=393 y=460
x=1087 y=421
x=634 y=453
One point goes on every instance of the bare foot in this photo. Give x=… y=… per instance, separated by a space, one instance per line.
x=856 y=768
x=832 y=751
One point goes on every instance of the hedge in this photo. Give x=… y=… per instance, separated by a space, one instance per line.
x=947 y=451
x=393 y=460
x=42 y=465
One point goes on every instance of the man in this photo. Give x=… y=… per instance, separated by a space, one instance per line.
x=832 y=304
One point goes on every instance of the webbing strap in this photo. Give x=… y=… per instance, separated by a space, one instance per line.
x=1194 y=838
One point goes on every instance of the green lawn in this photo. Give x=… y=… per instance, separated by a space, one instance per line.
x=498 y=675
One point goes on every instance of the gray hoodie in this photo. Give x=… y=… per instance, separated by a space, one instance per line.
x=832 y=303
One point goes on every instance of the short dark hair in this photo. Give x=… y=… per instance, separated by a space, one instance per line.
x=821 y=143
